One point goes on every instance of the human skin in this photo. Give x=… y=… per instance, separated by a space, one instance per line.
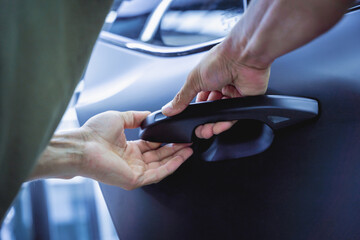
x=240 y=65
x=99 y=150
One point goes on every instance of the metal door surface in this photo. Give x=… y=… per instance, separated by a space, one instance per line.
x=305 y=186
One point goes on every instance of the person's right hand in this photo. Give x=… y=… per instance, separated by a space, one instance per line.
x=240 y=65
x=218 y=75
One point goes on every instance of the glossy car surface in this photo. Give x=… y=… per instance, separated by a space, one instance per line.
x=305 y=186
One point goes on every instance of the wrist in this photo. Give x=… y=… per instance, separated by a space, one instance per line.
x=240 y=50
x=62 y=158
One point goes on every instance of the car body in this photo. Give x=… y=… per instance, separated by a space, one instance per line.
x=304 y=186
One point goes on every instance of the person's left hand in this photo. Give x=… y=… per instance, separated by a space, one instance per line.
x=99 y=150
x=109 y=158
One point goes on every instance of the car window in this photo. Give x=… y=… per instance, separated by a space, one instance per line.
x=191 y=22
x=128 y=18
x=174 y=22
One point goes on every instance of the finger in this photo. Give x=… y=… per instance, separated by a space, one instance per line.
x=220 y=127
x=215 y=95
x=211 y=96
x=204 y=131
x=198 y=131
x=163 y=152
x=230 y=91
x=184 y=96
x=133 y=119
x=168 y=166
x=207 y=131
x=157 y=164
x=145 y=146
x=202 y=96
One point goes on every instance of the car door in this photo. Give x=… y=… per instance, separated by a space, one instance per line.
x=303 y=186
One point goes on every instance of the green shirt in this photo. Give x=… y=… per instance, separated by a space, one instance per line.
x=44 y=48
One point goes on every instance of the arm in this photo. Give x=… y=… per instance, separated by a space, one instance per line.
x=99 y=150
x=240 y=65
x=269 y=28
x=62 y=158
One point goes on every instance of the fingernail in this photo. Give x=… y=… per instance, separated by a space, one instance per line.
x=167 y=108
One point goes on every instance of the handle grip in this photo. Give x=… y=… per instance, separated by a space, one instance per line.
x=274 y=110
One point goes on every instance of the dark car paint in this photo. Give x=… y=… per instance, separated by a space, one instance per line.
x=305 y=186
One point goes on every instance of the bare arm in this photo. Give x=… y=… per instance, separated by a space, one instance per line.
x=271 y=28
x=240 y=65
x=99 y=150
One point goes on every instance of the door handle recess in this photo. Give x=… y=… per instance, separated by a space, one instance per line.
x=274 y=110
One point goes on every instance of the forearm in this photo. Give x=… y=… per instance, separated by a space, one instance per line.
x=62 y=158
x=271 y=28
x=99 y=150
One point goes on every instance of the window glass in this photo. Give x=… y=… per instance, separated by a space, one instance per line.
x=195 y=21
x=173 y=22
x=128 y=18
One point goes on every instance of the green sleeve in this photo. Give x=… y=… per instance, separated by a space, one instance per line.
x=44 y=48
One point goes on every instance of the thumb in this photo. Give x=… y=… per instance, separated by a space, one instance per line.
x=133 y=119
x=183 y=97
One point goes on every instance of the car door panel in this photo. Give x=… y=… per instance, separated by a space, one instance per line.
x=305 y=186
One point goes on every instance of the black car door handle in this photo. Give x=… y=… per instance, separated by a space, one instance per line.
x=274 y=110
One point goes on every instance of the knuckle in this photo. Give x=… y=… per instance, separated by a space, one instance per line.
x=177 y=99
x=194 y=80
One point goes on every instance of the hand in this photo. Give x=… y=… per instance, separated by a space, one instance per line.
x=99 y=150
x=240 y=65
x=219 y=75
x=109 y=158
